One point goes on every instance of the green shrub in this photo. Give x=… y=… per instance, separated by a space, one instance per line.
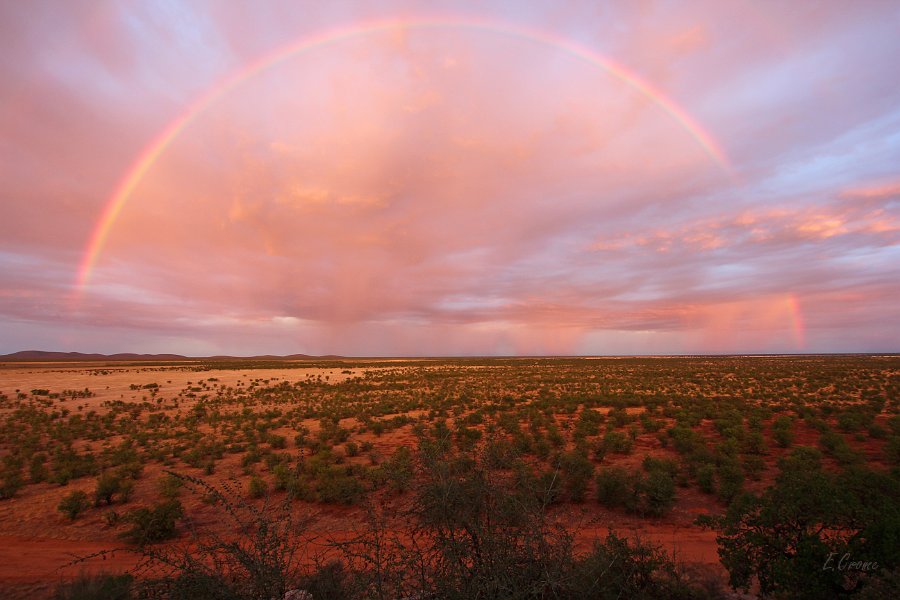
x=549 y=487
x=170 y=486
x=282 y=474
x=277 y=442
x=37 y=471
x=108 y=486
x=853 y=420
x=782 y=431
x=836 y=445
x=499 y=454
x=754 y=443
x=555 y=438
x=299 y=488
x=73 y=504
x=730 y=478
x=877 y=432
x=577 y=471
x=335 y=487
x=257 y=487
x=616 y=488
x=649 y=424
x=155 y=524
x=399 y=469
x=658 y=493
x=706 y=475
x=668 y=465
x=754 y=466
x=10 y=483
x=617 y=441
x=258 y=558
x=652 y=494
x=684 y=439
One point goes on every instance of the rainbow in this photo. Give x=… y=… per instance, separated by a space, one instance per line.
x=161 y=142
x=797 y=325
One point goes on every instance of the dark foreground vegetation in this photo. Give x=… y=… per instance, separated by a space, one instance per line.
x=463 y=466
x=469 y=532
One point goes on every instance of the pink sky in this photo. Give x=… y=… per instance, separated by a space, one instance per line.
x=480 y=185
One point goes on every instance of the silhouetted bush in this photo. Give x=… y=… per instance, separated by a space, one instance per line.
x=96 y=587
x=784 y=537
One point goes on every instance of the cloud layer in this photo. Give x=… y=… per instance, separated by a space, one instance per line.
x=452 y=190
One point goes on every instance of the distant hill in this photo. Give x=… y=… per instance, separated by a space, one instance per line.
x=41 y=355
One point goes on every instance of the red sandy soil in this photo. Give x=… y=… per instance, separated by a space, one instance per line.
x=114 y=383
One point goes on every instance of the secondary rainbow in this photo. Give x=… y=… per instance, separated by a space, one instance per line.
x=161 y=142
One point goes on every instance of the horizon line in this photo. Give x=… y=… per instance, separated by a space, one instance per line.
x=73 y=356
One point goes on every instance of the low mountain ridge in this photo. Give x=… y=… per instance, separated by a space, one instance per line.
x=43 y=355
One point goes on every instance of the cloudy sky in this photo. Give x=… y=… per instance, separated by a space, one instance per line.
x=432 y=178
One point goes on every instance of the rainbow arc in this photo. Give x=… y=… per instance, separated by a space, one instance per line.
x=158 y=145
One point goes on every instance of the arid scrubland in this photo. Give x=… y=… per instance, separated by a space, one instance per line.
x=415 y=476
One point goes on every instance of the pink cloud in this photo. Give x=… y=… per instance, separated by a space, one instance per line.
x=452 y=190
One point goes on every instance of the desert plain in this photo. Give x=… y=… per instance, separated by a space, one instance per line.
x=337 y=440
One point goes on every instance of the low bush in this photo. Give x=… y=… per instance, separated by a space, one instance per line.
x=730 y=480
x=337 y=487
x=657 y=493
x=782 y=431
x=617 y=441
x=73 y=504
x=10 y=482
x=577 y=471
x=616 y=488
x=652 y=494
x=706 y=477
x=154 y=524
x=110 y=485
x=257 y=487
